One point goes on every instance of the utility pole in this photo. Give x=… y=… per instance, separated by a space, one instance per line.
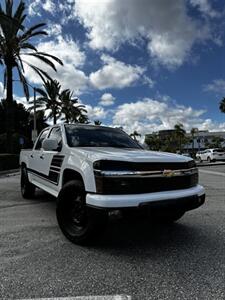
x=34 y=131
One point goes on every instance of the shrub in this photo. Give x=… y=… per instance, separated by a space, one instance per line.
x=9 y=161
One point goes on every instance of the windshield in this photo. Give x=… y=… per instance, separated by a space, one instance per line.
x=94 y=136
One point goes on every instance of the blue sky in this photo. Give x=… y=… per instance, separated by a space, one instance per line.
x=141 y=64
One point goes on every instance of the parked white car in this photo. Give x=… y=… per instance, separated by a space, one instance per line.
x=211 y=155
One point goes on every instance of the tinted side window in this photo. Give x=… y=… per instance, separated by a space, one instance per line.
x=41 y=139
x=56 y=134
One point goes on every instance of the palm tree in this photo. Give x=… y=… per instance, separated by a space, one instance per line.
x=15 y=45
x=70 y=107
x=180 y=134
x=83 y=119
x=222 y=105
x=135 y=134
x=97 y=122
x=50 y=99
x=193 y=132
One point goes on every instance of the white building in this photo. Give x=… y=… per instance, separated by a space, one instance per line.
x=201 y=139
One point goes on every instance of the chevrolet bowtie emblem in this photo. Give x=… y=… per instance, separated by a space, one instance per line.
x=168 y=173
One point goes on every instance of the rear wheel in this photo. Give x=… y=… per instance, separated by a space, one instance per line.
x=78 y=223
x=209 y=159
x=199 y=159
x=27 y=188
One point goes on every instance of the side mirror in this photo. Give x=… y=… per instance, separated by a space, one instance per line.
x=50 y=145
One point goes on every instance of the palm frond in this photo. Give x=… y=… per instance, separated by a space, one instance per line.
x=23 y=39
x=43 y=75
x=42 y=58
x=8 y=7
x=28 y=46
x=19 y=11
x=51 y=56
x=24 y=83
x=41 y=92
x=31 y=29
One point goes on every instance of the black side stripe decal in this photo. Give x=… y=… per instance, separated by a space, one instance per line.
x=54 y=172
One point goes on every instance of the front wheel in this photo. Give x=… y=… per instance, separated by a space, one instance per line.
x=27 y=188
x=78 y=223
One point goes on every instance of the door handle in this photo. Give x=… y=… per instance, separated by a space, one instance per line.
x=42 y=157
x=31 y=156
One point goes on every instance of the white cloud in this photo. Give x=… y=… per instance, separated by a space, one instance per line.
x=54 y=29
x=147 y=80
x=150 y=115
x=217 y=86
x=169 y=30
x=107 y=99
x=205 y=7
x=69 y=75
x=115 y=74
x=35 y=6
x=49 y=6
x=95 y=112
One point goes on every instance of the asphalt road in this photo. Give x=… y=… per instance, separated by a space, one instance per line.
x=183 y=261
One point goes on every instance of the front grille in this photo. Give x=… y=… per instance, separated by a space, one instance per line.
x=138 y=185
x=109 y=165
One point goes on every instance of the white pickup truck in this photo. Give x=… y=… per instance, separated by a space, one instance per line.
x=93 y=170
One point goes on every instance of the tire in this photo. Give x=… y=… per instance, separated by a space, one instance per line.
x=27 y=188
x=79 y=223
x=209 y=159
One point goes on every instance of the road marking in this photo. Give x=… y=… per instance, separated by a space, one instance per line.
x=212 y=173
x=116 y=297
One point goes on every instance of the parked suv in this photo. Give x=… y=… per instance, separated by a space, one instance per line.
x=211 y=155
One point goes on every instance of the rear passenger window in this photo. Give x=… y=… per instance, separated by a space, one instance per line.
x=56 y=134
x=41 y=139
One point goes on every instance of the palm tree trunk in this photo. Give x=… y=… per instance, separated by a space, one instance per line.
x=54 y=115
x=10 y=113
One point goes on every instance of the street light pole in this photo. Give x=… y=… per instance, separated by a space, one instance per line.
x=34 y=131
x=35 y=117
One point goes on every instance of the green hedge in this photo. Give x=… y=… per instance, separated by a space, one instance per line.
x=9 y=161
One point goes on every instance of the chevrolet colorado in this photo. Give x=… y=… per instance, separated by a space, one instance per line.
x=93 y=170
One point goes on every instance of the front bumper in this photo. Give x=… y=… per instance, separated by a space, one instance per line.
x=137 y=200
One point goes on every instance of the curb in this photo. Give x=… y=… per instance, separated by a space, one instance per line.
x=9 y=172
x=211 y=164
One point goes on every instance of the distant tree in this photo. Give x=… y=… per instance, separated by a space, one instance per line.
x=179 y=135
x=15 y=45
x=97 y=122
x=71 y=110
x=153 y=141
x=135 y=134
x=83 y=119
x=193 y=132
x=222 y=105
x=215 y=142
x=41 y=121
x=22 y=126
x=21 y=118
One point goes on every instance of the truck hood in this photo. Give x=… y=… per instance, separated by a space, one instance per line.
x=127 y=154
